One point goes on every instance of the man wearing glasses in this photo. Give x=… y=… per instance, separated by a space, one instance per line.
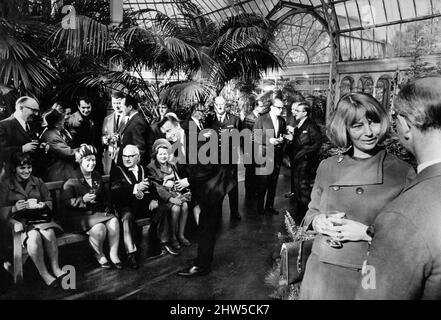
x=269 y=132
x=15 y=132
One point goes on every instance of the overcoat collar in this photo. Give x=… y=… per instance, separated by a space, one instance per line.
x=428 y=173
x=19 y=127
x=17 y=187
x=366 y=172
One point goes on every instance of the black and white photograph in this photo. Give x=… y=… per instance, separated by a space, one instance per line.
x=225 y=156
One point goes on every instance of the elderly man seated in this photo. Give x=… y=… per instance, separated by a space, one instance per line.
x=134 y=197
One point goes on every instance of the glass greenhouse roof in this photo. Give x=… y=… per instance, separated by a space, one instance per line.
x=367 y=28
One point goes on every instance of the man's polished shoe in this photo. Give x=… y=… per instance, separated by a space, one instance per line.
x=271 y=211
x=194 y=271
x=289 y=195
x=235 y=216
x=131 y=261
x=169 y=249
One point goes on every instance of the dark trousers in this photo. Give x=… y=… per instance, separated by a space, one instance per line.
x=302 y=176
x=210 y=220
x=267 y=184
x=250 y=183
x=233 y=195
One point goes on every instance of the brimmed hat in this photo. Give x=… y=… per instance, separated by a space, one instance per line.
x=160 y=143
x=84 y=150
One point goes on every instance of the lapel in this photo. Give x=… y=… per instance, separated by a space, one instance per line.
x=269 y=124
x=428 y=173
x=16 y=186
x=17 y=126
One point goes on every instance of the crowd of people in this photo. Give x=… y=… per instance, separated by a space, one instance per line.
x=368 y=207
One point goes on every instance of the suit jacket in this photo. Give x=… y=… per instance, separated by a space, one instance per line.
x=12 y=138
x=83 y=130
x=361 y=189
x=230 y=122
x=406 y=247
x=262 y=134
x=109 y=128
x=306 y=143
x=60 y=159
x=137 y=132
x=122 y=182
x=157 y=134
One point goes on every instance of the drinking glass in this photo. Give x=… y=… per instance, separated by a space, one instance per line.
x=331 y=242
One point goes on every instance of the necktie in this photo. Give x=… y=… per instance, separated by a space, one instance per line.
x=28 y=128
x=118 y=117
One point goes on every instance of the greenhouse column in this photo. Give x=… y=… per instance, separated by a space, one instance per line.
x=331 y=18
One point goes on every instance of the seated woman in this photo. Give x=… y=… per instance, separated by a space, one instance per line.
x=163 y=175
x=26 y=198
x=87 y=208
x=349 y=191
x=60 y=164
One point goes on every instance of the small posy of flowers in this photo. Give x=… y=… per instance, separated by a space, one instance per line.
x=111 y=138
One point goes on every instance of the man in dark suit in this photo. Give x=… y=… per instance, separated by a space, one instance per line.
x=209 y=183
x=269 y=139
x=15 y=132
x=404 y=258
x=303 y=154
x=250 y=176
x=136 y=131
x=220 y=122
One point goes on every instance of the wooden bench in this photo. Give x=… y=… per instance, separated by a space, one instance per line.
x=20 y=256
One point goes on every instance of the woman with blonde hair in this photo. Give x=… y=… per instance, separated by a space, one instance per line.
x=350 y=190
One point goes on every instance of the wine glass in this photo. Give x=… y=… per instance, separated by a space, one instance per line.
x=331 y=242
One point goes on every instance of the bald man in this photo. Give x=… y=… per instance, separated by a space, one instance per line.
x=220 y=122
x=15 y=132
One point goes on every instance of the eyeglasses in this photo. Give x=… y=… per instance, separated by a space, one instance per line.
x=33 y=110
x=128 y=156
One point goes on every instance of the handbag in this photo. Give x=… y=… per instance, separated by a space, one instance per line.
x=294 y=256
x=34 y=216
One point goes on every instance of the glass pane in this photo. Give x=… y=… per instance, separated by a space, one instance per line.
x=355 y=45
x=346 y=85
x=407 y=9
x=316 y=2
x=381 y=89
x=378 y=11
x=280 y=13
x=368 y=85
x=368 y=44
x=365 y=12
x=341 y=16
x=394 y=41
x=436 y=6
x=344 y=46
x=436 y=31
x=392 y=10
x=353 y=17
x=423 y=7
x=380 y=42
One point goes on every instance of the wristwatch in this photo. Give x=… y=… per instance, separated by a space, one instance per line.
x=370 y=231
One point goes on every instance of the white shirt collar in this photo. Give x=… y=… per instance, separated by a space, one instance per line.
x=131 y=116
x=20 y=120
x=221 y=117
x=197 y=122
x=426 y=164
x=301 y=122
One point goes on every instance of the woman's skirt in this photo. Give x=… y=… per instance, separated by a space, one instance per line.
x=39 y=226
x=84 y=223
x=324 y=281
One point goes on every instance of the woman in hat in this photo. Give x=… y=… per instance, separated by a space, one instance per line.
x=87 y=208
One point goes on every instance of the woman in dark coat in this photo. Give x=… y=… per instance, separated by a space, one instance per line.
x=26 y=198
x=87 y=208
x=349 y=191
x=60 y=156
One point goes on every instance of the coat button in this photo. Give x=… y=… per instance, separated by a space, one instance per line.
x=359 y=190
x=335 y=188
